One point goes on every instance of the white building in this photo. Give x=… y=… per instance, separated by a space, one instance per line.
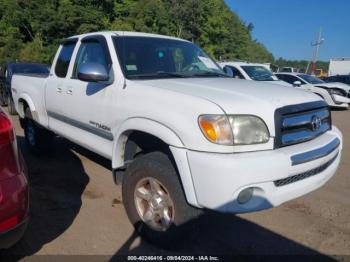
x=339 y=66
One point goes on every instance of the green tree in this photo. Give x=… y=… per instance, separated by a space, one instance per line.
x=32 y=29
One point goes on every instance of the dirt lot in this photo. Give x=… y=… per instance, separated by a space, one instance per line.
x=76 y=210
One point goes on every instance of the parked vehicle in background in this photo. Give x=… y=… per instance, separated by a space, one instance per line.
x=272 y=67
x=345 y=79
x=181 y=135
x=249 y=71
x=335 y=94
x=13 y=186
x=6 y=73
x=319 y=73
x=339 y=66
x=289 y=70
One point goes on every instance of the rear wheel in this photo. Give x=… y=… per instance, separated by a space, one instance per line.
x=154 y=200
x=3 y=100
x=37 y=138
x=11 y=106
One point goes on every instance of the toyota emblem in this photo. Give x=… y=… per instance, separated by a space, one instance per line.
x=316 y=123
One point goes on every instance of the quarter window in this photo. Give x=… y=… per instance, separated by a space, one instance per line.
x=64 y=58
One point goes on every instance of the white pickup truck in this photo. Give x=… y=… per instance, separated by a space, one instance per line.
x=180 y=134
x=251 y=71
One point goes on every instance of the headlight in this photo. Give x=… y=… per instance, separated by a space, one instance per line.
x=335 y=91
x=248 y=130
x=234 y=129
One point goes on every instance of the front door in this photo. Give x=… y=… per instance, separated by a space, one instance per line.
x=89 y=105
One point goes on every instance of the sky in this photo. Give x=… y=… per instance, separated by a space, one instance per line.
x=287 y=28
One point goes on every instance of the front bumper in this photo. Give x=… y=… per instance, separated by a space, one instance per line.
x=219 y=178
x=340 y=101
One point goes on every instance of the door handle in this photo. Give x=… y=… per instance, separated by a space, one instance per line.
x=59 y=89
x=69 y=91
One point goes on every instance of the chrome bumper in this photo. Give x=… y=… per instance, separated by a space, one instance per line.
x=315 y=154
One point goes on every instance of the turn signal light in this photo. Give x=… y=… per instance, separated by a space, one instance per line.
x=216 y=128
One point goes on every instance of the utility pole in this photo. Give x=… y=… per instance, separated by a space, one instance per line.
x=316 y=45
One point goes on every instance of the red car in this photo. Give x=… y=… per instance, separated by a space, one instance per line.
x=13 y=186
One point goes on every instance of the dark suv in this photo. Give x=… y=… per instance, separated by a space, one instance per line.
x=6 y=73
x=338 y=78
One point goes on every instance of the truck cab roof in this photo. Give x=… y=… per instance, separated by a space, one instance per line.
x=124 y=33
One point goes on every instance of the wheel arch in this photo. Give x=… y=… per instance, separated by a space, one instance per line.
x=24 y=101
x=144 y=126
x=138 y=132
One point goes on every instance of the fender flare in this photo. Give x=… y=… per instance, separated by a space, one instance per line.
x=145 y=125
x=26 y=98
x=165 y=134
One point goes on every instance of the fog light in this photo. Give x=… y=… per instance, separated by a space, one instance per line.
x=245 y=195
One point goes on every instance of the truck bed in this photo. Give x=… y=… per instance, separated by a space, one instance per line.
x=30 y=87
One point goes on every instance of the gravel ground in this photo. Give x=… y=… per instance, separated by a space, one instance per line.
x=76 y=210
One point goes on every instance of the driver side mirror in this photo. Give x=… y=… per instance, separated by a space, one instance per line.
x=228 y=71
x=297 y=84
x=92 y=72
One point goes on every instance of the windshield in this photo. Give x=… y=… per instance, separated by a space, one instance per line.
x=311 y=79
x=259 y=73
x=150 y=57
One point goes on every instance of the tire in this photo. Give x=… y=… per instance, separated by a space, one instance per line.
x=3 y=100
x=157 y=167
x=11 y=106
x=37 y=138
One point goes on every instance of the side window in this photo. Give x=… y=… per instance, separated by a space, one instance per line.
x=64 y=58
x=236 y=73
x=347 y=80
x=90 y=52
x=290 y=79
x=287 y=78
x=301 y=81
x=280 y=77
x=294 y=79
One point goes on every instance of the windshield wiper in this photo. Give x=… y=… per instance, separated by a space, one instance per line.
x=158 y=75
x=209 y=74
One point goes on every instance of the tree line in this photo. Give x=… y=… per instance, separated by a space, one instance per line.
x=30 y=30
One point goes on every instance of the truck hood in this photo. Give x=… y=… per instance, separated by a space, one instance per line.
x=278 y=82
x=339 y=85
x=237 y=96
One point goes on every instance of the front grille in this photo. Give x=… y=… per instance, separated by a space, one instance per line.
x=300 y=123
x=307 y=174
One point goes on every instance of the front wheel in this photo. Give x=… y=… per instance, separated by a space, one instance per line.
x=154 y=200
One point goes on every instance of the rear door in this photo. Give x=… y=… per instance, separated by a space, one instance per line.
x=55 y=91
